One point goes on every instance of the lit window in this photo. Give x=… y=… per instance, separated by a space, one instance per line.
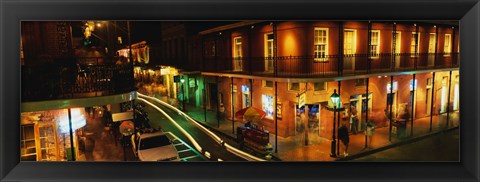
x=398 y=42
x=375 y=43
x=267 y=105
x=293 y=86
x=431 y=43
x=237 y=54
x=447 y=46
x=269 y=51
x=119 y=39
x=414 y=49
x=411 y=84
x=266 y=83
x=321 y=44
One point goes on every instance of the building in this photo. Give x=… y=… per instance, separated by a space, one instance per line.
x=390 y=73
x=70 y=87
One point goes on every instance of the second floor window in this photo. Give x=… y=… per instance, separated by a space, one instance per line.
x=237 y=47
x=398 y=42
x=321 y=44
x=431 y=43
x=267 y=84
x=320 y=86
x=447 y=47
x=374 y=43
x=414 y=45
x=293 y=86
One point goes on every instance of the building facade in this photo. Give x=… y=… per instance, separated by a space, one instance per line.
x=385 y=73
x=70 y=91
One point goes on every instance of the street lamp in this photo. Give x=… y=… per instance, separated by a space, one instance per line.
x=182 y=80
x=336 y=103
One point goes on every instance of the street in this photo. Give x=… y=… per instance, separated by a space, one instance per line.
x=441 y=147
x=216 y=151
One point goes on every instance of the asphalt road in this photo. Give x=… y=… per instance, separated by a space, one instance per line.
x=157 y=119
x=440 y=147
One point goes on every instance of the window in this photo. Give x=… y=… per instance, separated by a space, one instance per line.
x=360 y=82
x=237 y=47
x=431 y=43
x=398 y=42
x=447 y=46
x=28 y=147
x=414 y=49
x=321 y=44
x=269 y=51
x=267 y=105
x=266 y=83
x=416 y=84
x=319 y=86
x=349 y=42
x=374 y=43
x=293 y=86
x=237 y=54
x=119 y=40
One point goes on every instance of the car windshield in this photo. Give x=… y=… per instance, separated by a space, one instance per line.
x=153 y=142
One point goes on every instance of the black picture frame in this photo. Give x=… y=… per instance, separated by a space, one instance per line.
x=12 y=12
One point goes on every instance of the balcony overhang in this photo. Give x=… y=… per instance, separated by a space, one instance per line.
x=325 y=79
x=77 y=102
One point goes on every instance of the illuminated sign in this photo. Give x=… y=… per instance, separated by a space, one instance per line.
x=164 y=71
x=301 y=100
x=78 y=121
x=245 y=88
x=395 y=86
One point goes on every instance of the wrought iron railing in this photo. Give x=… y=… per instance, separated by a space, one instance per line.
x=330 y=65
x=53 y=81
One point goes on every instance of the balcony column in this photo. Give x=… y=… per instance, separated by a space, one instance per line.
x=391 y=109
x=339 y=120
x=394 y=45
x=433 y=98
x=72 y=150
x=415 y=60
x=413 y=107
x=369 y=43
x=275 y=54
x=366 y=112
x=276 y=121
x=233 y=108
x=204 y=98
x=251 y=92
x=133 y=81
x=218 y=103
x=448 y=97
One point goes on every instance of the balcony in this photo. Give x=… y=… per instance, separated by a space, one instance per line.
x=331 y=65
x=61 y=81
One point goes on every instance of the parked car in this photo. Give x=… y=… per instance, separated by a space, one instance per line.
x=155 y=146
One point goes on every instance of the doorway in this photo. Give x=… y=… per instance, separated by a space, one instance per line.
x=245 y=96
x=349 y=49
x=313 y=120
x=212 y=95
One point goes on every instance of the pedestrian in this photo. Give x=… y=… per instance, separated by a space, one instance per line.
x=369 y=131
x=354 y=119
x=344 y=137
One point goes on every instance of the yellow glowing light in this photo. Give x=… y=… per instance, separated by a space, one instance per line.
x=99 y=25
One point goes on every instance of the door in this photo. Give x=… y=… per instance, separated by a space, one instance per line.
x=212 y=95
x=245 y=96
x=392 y=99
x=431 y=49
x=398 y=46
x=456 y=94
x=443 y=100
x=269 y=52
x=428 y=103
x=47 y=137
x=349 y=49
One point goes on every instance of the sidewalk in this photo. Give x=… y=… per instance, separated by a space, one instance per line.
x=293 y=148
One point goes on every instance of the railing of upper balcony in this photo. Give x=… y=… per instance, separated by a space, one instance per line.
x=330 y=65
x=88 y=77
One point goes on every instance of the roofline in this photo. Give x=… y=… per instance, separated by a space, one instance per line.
x=230 y=26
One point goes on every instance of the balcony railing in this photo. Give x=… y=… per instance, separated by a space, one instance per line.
x=330 y=65
x=48 y=82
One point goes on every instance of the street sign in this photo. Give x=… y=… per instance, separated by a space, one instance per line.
x=128 y=115
x=301 y=100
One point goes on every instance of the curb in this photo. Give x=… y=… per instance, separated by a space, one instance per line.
x=412 y=140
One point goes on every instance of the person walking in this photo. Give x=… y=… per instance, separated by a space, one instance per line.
x=354 y=119
x=344 y=137
x=369 y=131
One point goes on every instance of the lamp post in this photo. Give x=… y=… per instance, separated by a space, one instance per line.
x=182 y=80
x=336 y=103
